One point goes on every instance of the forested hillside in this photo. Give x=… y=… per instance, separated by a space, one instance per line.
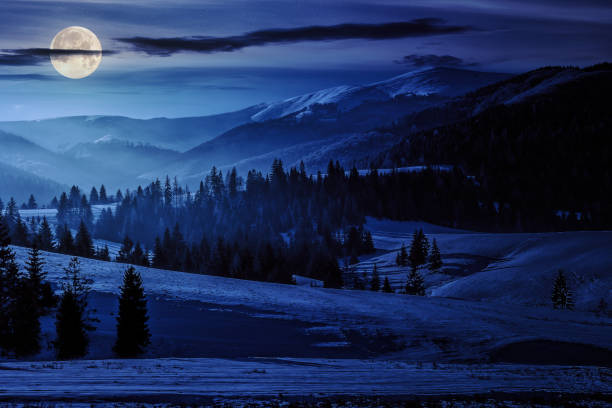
x=545 y=155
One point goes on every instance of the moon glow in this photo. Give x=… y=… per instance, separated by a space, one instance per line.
x=75 y=65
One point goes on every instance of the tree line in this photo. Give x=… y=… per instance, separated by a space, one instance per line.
x=25 y=297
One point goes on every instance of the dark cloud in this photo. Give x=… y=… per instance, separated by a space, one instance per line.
x=414 y=28
x=26 y=77
x=432 y=60
x=37 y=56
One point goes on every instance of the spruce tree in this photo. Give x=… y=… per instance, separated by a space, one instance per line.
x=435 y=258
x=103 y=253
x=66 y=241
x=9 y=280
x=103 y=197
x=562 y=297
x=32 y=202
x=402 y=257
x=72 y=320
x=415 y=284
x=375 y=282
x=83 y=242
x=387 y=286
x=132 y=330
x=29 y=306
x=94 y=197
x=44 y=239
x=125 y=252
x=418 y=249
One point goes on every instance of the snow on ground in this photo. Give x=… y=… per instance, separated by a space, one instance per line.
x=507 y=268
x=418 y=328
x=181 y=378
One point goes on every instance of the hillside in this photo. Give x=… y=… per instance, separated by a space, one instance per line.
x=539 y=151
x=19 y=184
x=177 y=134
x=313 y=121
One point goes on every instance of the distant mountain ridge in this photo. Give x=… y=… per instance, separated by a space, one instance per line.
x=352 y=124
x=179 y=134
x=308 y=123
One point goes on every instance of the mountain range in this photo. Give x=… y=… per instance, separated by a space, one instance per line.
x=356 y=125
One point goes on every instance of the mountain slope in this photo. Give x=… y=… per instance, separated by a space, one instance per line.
x=115 y=168
x=328 y=115
x=177 y=134
x=544 y=148
x=19 y=184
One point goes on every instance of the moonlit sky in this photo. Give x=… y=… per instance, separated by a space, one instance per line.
x=146 y=81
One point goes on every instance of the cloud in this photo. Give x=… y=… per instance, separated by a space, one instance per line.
x=37 y=56
x=432 y=60
x=26 y=77
x=414 y=28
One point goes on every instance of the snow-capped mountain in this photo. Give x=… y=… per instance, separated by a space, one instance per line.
x=437 y=81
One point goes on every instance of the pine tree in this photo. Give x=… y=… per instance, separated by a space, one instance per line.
x=419 y=249
x=66 y=241
x=387 y=286
x=562 y=297
x=103 y=253
x=159 y=257
x=368 y=242
x=44 y=239
x=435 y=258
x=29 y=307
x=72 y=320
x=42 y=291
x=402 y=257
x=415 y=284
x=9 y=280
x=83 y=242
x=125 y=252
x=20 y=233
x=32 y=202
x=94 y=197
x=132 y=330
x=375 y=282
x=103 y=197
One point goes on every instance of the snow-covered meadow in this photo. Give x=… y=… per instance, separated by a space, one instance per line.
x=221 y=337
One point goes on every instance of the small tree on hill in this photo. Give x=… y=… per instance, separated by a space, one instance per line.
x=402 y=257
x=83 y=242
x=44 y=239
x=435 y=258
x=415 y=284
x=419 y=249
x=9 y=281
x=73 y=321
x=132 y=330
x=375 y=282
x=387 y=286
x=562 y=297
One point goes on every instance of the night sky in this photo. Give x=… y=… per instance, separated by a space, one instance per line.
x=196 y=57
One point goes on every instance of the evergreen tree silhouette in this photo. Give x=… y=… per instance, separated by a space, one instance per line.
x=387 y=286
x=132 y=330
x=9 y=281
x=435 y=258
x=73 y=320
x=375 y=282
x=415 y=284
x=562 y=297
x=83 y=242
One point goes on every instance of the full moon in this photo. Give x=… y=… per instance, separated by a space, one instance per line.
x=76 y=66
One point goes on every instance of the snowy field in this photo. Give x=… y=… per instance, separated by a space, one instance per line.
x=396 y=325
x=182 y=378
x=506 y=268
x=486 y=326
